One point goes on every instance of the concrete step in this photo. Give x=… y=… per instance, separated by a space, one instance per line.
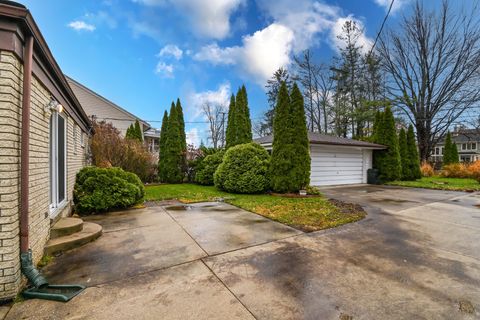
x=65 y=227
x=90 y=232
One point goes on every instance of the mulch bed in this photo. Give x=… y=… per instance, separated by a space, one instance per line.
x=347 y=208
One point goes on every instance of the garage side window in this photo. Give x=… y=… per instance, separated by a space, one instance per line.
x=57 y=162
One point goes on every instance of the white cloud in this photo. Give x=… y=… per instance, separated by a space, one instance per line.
x=396 y=5
x=195 y=100
x=306 y=19
x=260 y=54
x=80 y=25
x=171 y=50
x=209 y=19
x=363 y=41
x=216 y=55
x=164 y=70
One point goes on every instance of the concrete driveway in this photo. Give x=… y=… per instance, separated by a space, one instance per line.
x=415 y=256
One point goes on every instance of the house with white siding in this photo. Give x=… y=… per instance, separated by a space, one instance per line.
x=43 y=142
x=99 y=108
x=335 y=160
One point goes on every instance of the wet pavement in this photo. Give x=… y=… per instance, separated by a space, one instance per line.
x=415 y=256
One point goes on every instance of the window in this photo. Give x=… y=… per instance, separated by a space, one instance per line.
x=464 y=146
x=474 y=146
x=75 y=144
x=437 y=150
x=57 y=162
x=441 y=150
x=82 y=139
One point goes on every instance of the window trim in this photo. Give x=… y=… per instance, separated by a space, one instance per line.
x=54 y=206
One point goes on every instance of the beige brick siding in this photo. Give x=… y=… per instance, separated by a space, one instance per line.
x=10 y=128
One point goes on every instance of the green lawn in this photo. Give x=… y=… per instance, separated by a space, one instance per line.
x=308 y=214
x=453 y=184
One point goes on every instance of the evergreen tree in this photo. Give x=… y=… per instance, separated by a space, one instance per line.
x=243 y=125
x=404 y=156
x=283 y=153
x=138 y=133
x=230 y=133
x=162 y=144
x=387 y=161
x=130 y=132
x=450 y=152
x=248 y=121
x=300 y=173
x=181 y=122
x=376 y=125
x=183 y=138
x=413 y=157
x=173 y=149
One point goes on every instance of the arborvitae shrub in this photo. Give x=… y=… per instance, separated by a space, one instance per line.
x=244 y=169
x=104 y=189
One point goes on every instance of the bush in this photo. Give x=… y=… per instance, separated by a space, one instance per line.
x=311 y=190
x=103 y=189
x=474 y=170
x=207 y=168
x=244 y=169
x=455 y=170
x=109 y=149
x=426 y=169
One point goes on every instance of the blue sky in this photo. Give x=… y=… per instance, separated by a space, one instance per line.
x=142 y=54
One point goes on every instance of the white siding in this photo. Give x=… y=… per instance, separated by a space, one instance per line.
x=336 y=165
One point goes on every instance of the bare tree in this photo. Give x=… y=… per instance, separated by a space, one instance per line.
x=215 y=115
x=433 y=63
x=317 y=83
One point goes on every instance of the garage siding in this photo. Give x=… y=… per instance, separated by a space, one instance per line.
x=336 y=165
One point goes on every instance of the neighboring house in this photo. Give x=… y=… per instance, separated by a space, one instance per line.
x=102 y=109
x=467 y=141
x=335 y=160
x=43 y=136
x=152 y=140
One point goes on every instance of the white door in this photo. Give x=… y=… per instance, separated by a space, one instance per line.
x=332 y=165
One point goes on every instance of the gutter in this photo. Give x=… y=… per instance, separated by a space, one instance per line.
x=27 y=267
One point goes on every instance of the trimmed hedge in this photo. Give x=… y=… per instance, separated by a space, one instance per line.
x=103 y=189
x=208 y=167
x=244 y=169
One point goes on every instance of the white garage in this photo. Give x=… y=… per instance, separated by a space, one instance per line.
x=335 y=160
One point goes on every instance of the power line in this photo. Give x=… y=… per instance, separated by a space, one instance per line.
x=381 y=27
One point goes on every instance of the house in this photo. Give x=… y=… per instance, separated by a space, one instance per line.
x=467 y=141
x=335 y=160
x=152 y=140
x=99 y=108
x=43 y=136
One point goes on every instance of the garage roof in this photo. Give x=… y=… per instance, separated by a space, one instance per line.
x=318 y=138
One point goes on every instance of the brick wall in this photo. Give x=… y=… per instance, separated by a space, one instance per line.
x=10 y=129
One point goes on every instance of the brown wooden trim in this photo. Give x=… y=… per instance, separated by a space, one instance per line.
x=14 y=23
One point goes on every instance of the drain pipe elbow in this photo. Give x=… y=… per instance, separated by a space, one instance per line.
x=29 y=270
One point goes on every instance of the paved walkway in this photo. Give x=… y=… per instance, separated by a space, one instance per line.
x=415 y=256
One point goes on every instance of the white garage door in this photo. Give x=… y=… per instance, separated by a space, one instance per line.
x=335 y=165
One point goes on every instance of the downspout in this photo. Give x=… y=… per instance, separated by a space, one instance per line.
x=27 y=267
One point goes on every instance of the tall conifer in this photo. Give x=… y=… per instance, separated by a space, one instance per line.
x=413 y=157
x=387 y=161
x=283 y=152
x=173 y=149
x=300 y=173
x=404 y=156
x=230 y=131
x=162 y=144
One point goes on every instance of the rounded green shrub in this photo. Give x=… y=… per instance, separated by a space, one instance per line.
x=209 y=165
x=103 y=189
x=244 y=169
